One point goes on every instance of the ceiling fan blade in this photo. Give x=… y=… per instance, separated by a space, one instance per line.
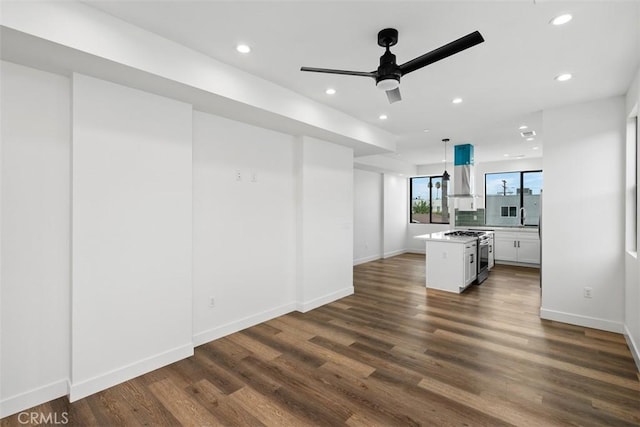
x=345 y=72
x=394 y=95
x=442 y=52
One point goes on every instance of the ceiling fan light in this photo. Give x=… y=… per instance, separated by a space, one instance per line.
x=243 y=48
x=561 y=19
x=563 y=77
x=388 y=84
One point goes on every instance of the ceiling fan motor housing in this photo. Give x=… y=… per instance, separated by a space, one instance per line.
x=388 y=73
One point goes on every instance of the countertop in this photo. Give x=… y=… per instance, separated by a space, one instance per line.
x=529 y=229
x=440 y=237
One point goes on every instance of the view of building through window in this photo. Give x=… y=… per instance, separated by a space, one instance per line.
x=429 y=200
x=513 y=198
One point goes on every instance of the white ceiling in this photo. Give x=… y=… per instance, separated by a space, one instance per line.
x=505 y=82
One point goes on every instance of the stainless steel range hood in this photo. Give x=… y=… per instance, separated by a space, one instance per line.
x=464 y=197
x=463 y=171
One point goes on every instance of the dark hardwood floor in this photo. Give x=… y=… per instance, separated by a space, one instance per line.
x=392 y=354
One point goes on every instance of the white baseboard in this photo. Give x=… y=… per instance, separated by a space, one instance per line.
x=586 y=321
x=240 y=324
x=366 y=259
x=416 y=251
x=633 y=346
x=394 y=253
x=29 y=399
x=517 y=264
x=326 y=299
x=81 y=389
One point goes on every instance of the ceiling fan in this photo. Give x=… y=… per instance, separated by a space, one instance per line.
x=389 y=73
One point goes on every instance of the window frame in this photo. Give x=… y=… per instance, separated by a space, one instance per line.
x=520 y=189
x=431 y=186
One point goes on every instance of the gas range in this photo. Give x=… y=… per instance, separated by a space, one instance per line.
x=465 y=233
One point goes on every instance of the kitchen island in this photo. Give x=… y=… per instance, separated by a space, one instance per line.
x=451 y=261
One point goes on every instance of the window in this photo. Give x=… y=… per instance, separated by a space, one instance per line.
x=508 y=211
x=513 y=198
x=429 y=202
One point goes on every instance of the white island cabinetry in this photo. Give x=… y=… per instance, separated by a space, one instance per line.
x=451 y=263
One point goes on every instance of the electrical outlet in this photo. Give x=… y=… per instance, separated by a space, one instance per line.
x=588 y=292
x=212 y=302
x=238 y=175
x=444 y=255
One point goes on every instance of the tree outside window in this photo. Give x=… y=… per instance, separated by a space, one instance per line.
x=429 y=200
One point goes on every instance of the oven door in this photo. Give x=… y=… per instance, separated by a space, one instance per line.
x=483 y=258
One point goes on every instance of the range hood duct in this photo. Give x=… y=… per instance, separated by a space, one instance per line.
x=463 y=171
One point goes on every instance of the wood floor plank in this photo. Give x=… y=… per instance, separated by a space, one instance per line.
x=185 y=409
x=219 y=404
x=392 y=354
x=255 y=347
x=267 y=411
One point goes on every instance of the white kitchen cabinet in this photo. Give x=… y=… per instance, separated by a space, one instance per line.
x=451 y=263
x=470 y=263
x=517 y=247
x=529 y=249
x=506 y=246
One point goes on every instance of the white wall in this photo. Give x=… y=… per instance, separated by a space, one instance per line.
x=132 y=207
x=262 y=246
x=380 y=222
x=325 y=222
x=583 y=211
x=632 y=264
x=395 y=214
x=36 y=239
x=368 y=216
x=244 y=228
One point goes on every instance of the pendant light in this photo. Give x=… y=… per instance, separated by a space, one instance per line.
x=445 y=175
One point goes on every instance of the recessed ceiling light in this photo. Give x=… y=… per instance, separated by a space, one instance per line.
x=426 y=130
x=382 y=117
x=457 y=100
x=243 y=48
x=561 y=19
x=530 y=139
x=535 y=148
x=563 y=77
x=506 y=155
x=330 y=91
x=523 y=127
